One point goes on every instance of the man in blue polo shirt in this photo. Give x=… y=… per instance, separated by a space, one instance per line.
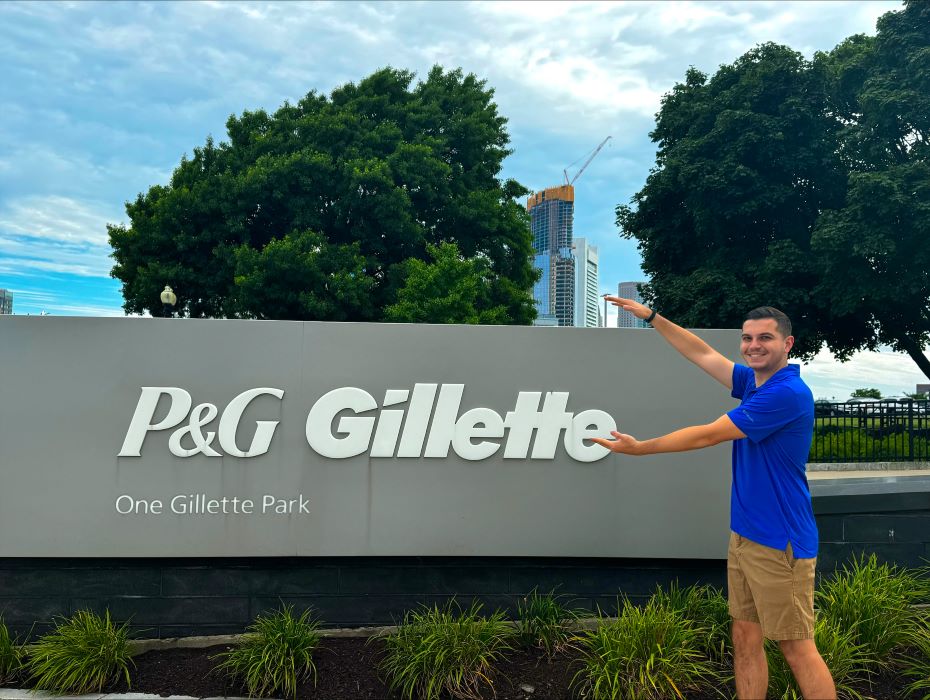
x=773 y=541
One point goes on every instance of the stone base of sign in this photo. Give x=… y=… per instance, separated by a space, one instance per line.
x=182 y=597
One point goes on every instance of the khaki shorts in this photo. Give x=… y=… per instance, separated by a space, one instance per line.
x=770 y=587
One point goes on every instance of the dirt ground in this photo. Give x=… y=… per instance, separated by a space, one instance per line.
x=347 y=670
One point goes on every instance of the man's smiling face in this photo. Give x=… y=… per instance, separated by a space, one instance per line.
x=763 y=346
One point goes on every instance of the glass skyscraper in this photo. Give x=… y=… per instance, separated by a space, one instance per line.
x=629 y=290
x=552 y=214
x=6 y=302
x=587 y=309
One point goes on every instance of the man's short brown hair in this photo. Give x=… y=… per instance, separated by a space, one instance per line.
x=780 y=317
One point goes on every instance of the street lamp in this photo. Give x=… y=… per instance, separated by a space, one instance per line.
x=168 y=300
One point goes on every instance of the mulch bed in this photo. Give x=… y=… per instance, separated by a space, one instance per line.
x=346 y=670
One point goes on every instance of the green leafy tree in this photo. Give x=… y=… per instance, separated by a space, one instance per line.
x=302 y=277
x=872 y=251
x=799 y=184
x=866 y=394
x=744 y=166
x=315 y=211
x=451 y=289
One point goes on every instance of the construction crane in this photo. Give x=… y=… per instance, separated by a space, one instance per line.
x=586 y=163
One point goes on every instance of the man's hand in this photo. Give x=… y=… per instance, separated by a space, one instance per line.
x=624 y=444
x=634 y=307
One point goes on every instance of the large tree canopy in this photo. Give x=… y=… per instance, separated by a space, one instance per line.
x=798 y=184
x=315 y=212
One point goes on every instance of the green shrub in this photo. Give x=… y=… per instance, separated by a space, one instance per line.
x=82 y=655
x=445 y=650
x=707 y=607
x=917 y=664
x=645 y=654
x=11 y=655
x=545 y=623
x=921 y=581
x=874 y=602
x=276 y=654
x=848 y=662
x=837 y=444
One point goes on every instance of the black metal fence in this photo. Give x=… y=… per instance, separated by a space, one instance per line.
x=871 y=431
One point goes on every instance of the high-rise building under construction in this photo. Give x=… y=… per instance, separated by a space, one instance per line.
x=551 y=217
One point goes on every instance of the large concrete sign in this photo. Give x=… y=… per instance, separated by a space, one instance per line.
x=153 y=437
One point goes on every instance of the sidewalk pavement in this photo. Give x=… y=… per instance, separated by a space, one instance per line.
x=866 y=473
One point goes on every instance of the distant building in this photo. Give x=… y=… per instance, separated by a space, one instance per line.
x=6 y=301
x=545 y=320
x=587 y=309
x=552 y=214
x=923 y=389
x=629 y=290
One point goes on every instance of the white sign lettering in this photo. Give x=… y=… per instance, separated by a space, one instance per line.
x=337 y=428
x=178 y=409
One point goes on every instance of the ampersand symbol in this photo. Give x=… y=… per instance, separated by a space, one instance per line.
x=200 y=416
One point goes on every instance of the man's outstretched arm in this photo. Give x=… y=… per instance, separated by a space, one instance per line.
x=693 y=438
x=684 y=341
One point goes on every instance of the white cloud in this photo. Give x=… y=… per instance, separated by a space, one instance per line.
x=689 y=17
x=95 y=266
x=55 y=218
x=55 y=309
x=54 y=234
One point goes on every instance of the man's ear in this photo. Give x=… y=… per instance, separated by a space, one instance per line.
x=789 y=343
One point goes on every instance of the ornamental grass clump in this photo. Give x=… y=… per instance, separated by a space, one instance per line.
x=649 y=653
x=11 y=655
x=707 y=607
x=276 y=654
x=83 y=654
x=545 y=623
x=875 y=602
x=445 y=651
x=917 y=663
x=849 y=663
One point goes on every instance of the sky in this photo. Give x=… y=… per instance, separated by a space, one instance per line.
x=101 y=100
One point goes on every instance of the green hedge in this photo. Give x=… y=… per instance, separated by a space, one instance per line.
x=855 y=445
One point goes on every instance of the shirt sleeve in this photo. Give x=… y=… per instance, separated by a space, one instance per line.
x=741 y=374
x=765 y=413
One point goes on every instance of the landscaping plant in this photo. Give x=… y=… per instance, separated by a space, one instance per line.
x=917 y=665
x=875 y=603
x=545 y=623
x=82 y=655
x=276 y=654
x=848 y=662
x=647 y=653
x=707 y=607
x=437 y=651
x=11 y=655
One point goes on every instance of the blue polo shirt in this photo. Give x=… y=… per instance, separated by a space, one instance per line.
x=770 y=502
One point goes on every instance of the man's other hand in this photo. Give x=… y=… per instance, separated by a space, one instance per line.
x=624 y=444
x=634 y=307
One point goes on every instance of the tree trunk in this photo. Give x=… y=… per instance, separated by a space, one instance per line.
x=916 y=353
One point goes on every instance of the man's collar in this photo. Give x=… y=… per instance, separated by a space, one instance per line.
x=787 y=372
